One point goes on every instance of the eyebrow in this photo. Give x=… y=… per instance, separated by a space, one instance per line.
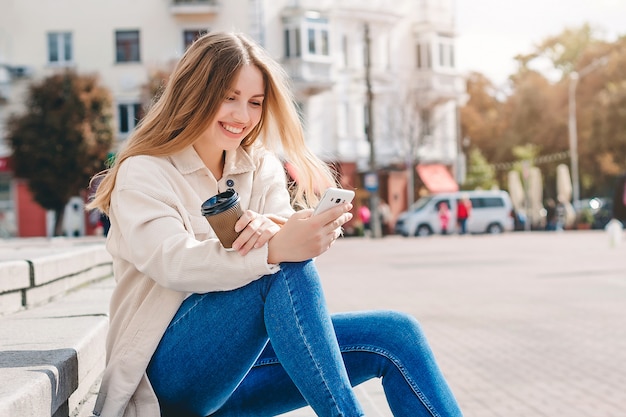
x=256 y=95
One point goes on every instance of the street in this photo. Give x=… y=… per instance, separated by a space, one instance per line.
x=522 y=324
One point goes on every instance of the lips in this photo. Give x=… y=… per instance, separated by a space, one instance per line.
x=232 y=129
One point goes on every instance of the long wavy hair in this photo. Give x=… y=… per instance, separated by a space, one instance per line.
x=191 y=99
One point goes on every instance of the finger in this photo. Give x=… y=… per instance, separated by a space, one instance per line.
x=250 y=242
x=333 y=213
x=302 y=214
x=339 y=221
x=249 y=232
x=247 y=217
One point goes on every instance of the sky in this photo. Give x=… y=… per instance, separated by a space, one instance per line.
x=491 y=32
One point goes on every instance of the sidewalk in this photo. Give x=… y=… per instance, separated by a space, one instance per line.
x=522 y=324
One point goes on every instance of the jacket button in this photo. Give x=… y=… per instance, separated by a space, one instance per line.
x=230 y=183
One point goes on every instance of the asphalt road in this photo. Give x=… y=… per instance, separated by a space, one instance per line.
x=523 y=324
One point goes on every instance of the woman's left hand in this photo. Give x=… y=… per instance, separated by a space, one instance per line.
x=256 y=230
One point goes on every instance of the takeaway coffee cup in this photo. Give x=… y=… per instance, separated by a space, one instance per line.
x=222 y=211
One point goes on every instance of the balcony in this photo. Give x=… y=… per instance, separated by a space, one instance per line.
x=439 y=85
x=195 y=8
x=309 y=77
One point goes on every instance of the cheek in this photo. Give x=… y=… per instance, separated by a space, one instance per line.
x=256 y=116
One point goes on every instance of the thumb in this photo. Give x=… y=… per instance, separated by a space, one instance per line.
x=302 y=214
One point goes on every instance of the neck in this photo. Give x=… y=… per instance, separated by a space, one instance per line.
x=213 y=160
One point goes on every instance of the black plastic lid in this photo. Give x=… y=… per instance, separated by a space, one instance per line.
x=220 y=202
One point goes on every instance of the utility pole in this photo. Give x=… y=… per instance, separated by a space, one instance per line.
x=574 y=78
x=369 y=123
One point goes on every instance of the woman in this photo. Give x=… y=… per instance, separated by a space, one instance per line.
x=196 y=330
x=444 y=217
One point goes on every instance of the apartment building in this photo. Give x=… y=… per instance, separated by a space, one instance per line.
x=375 y=80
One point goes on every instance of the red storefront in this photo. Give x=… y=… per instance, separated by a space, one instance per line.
x=20 y=214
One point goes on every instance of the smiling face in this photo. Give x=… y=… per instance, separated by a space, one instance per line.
x=238 y=114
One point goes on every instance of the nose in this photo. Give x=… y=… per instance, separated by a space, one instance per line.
x=240 y=113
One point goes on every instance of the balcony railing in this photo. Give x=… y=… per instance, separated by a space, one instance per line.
x=439 y=84
x=195 y=7
x=309 y=77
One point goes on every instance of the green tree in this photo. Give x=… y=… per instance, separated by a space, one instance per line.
x=480 y=174
x=62 y=139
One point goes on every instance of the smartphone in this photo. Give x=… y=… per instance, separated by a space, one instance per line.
x=332 y=197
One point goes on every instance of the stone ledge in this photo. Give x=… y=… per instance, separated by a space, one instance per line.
x=31 y=275
x=50 y=356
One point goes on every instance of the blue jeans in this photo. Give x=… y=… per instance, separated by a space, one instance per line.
x=271 y=347
x=463 y=226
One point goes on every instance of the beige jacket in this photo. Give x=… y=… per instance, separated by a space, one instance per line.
x=163 y=249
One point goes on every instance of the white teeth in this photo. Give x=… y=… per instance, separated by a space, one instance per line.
x=232 y=129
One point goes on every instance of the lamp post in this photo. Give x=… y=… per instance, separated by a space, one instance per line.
x=375 y=225
x=574 y=77
x=573 y=136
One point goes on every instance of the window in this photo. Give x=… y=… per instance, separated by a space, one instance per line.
x=424 y=57
x=190 y=36
x=127 y=46
x=312 y=41
x=446 y=51
x=451 y=50
x=59 y=47
x=317 y=36
x=292 y=42
x=344 y=49
x=487 y=202
x=129 y=115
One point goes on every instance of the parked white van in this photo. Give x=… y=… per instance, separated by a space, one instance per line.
x=492 y=212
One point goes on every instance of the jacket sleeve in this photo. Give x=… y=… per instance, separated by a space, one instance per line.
x=154 y=234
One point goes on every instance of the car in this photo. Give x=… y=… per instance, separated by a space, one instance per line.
x=492 y=212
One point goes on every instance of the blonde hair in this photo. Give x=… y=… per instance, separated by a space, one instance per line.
x=191 y=99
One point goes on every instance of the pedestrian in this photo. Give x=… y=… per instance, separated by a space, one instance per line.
x=463 y=211
x=365 y=216
x=444 y=217
x=197 y=330
x=384 y=213
x=551 y=217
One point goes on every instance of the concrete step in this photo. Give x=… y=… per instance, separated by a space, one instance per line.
x=51 y=356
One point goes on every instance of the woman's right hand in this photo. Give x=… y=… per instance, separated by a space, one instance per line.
x=305 y=236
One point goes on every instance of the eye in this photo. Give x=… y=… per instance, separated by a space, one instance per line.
x=256 y=103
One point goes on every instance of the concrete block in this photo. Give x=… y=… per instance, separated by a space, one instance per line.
x=44 y=293
x=14 y=275
x=10 y=302
x=73 y=261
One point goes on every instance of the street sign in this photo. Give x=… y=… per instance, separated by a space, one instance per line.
x=370 y=181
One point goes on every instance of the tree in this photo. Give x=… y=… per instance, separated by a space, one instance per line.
x=534 y=109
x=480 y=174
x=482 y=118
x=62 y=139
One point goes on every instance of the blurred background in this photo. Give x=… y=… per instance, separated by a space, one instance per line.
x=403 y=98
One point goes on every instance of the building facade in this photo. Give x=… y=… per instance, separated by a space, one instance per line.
x=375 y=80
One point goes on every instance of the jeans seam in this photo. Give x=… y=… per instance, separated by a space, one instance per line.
x=398 y=363
x=306 y=342
x=195 y=304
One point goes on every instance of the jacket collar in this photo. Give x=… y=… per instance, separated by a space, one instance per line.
x=238 y=161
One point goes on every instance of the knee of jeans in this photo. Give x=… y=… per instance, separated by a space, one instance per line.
x=300 y=269
x=398 y=330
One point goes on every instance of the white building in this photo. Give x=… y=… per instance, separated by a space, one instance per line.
x=415 y=88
